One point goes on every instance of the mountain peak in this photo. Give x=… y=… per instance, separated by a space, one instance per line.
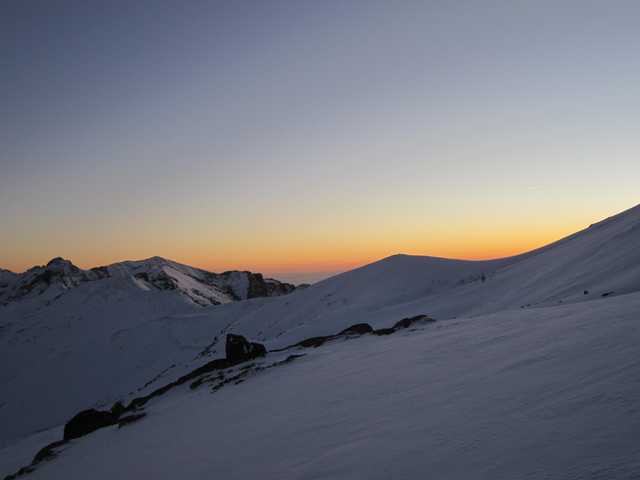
x=58 y=261
x=156 y=259
x=59 y=264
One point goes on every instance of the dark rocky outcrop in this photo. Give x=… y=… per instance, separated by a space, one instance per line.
x=20 y=473
x=142 y=276
x=261 y=287
x=239 y=349
x=277 y=288
x=88 y=421
x=100 y=272
x=357 y=329
x=361 y=329
x=130 y=419
x=117 y=409
x=38 y=279
x=162 y=280
x=47 y=452
x=313 y=342
x=384 y=331
x=257 y=287
x=208 y=300
x=217 y=364
x=411 y=321
x=405 y=323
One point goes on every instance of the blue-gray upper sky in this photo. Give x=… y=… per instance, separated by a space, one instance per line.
x=299 y=135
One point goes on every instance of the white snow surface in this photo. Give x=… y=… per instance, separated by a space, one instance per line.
x=76 y=338
x=113 y=340
x=541 y=393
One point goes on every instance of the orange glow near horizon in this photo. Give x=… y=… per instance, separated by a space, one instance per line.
x=315 y=146
x=331 y=253
x=295 y=249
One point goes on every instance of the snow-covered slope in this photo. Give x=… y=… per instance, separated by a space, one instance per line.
x=540 y=393
x=7 y=282
x=89 y=336
x=104 y=355
x=603 y=259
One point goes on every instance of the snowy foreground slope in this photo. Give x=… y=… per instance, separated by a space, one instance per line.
x=541 y=393
x=54 y=362
x=72 y=338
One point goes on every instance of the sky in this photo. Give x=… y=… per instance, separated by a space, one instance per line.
x=301 y=138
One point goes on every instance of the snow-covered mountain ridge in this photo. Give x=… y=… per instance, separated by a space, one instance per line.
x=197 y=286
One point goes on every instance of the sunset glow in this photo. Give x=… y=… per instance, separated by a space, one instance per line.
x=322 y=249
x=308 y=140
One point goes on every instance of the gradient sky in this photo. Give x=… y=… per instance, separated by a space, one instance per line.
x=304 y=137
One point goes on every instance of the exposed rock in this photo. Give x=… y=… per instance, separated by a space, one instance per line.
x=208 y=300
x=313 y=341
x=47 y=452
x=20 y=473
x=162 y=281
x=36 y=280
x=408 y=322
x=59 y=264
x=405 y=323
x=100 y=272
x=384 y=331
x=257 y=287
x=276 y=288
x=142 y=276
x=88 y=421
x=117 y=409
x=243 y=285
x=361 y=329
x=357 y=329
x=124 y=421
x=218 y=364
x=289 y=359
x=239 y=349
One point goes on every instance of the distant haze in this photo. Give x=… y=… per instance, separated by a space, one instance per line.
x=301 y=138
